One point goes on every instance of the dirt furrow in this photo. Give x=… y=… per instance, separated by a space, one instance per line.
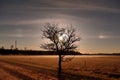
x=22 y=73
x=49 y=73
x=33 y=68
x=16 y=74
x=6 y=76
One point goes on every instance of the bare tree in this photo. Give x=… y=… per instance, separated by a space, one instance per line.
x=61 y=41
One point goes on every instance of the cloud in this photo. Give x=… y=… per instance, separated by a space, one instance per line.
x=21 y=33
x=107 y=37
x=36 y=11
x=104 y=37
x=39 y=6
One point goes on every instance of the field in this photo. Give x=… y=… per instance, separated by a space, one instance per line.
x=45 y=68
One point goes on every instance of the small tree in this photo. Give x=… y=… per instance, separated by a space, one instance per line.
x=61 y=41
x=2 y=47
x=11 y=47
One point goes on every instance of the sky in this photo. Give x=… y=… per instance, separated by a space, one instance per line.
x=97 y=22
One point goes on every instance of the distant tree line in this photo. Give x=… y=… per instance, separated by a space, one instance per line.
x=32 y=52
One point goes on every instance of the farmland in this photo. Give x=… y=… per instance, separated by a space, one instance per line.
x=45 y=68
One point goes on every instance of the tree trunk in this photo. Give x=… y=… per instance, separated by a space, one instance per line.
x=60 y=68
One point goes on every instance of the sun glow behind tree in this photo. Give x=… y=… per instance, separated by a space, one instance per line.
x=63 y=38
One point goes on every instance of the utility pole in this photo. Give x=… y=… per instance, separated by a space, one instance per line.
x=15 y=44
